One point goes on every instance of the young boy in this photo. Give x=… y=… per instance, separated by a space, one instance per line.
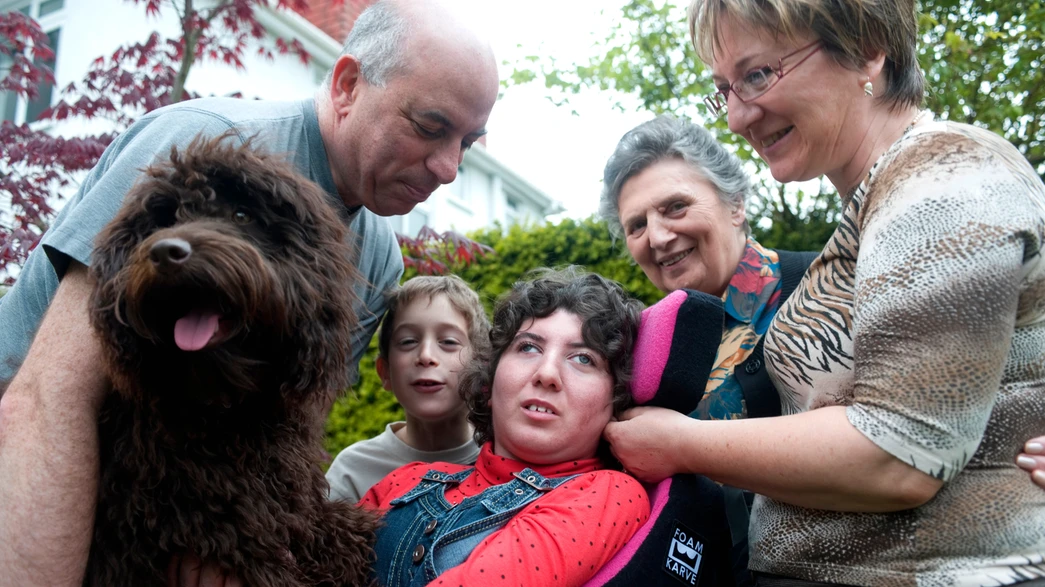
x=426 y=339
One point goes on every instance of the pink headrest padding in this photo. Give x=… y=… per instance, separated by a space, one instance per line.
x=653 y=345
x=658 y=497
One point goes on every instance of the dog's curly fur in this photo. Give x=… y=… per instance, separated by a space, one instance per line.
x=215 y=452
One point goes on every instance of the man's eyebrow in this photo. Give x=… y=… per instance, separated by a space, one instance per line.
x=441 y=119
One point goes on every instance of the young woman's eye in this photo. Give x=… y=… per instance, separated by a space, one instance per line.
x=584 y=359
x=527 y=347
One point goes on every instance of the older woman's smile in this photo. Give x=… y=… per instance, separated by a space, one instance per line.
x=674 y=259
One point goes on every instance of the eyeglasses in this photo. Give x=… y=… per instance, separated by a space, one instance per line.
x=756 y=82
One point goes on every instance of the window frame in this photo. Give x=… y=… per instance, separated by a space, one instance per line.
x=49 y=23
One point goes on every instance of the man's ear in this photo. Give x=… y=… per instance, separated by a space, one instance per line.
x=345 y=82
x=382 y=372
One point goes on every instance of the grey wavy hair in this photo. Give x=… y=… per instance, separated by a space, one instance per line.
x=666 y=137
x=376 y=40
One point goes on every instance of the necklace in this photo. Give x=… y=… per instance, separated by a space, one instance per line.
x=914 y=122
x=906 y=131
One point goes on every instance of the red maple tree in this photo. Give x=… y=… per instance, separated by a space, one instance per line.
x=35 y=167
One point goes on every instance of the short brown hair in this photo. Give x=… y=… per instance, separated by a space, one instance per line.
x=852 y=32
x=461 y=297
x=609 y=325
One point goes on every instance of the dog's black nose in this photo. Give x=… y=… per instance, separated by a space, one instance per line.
x=169 y=252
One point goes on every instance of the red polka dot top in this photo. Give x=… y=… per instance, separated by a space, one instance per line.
x=562 y=538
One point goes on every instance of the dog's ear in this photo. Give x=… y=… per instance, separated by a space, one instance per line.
x=115 y=243
x=321 y=320
x=113 y=248
x=319 y=290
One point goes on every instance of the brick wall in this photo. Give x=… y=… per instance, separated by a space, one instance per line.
x=334 y=17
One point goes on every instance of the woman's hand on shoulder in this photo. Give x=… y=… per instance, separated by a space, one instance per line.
x=1032 y=459
x=647 y=441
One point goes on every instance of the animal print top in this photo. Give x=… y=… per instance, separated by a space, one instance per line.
x=925 y=316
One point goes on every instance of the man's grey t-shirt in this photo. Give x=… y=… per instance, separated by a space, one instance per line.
x=284 y=128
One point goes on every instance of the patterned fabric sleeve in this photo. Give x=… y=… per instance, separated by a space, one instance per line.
x=561 y=539
x=949 y=231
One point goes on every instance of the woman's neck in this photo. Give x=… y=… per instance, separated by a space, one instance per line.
x=736 y=255
x=883 y=129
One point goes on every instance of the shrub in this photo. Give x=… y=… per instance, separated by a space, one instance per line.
x=364 y=412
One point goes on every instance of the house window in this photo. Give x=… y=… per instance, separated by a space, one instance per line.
x=512 y=213
x=49 y=14
x=413 y=222
x=462 y=185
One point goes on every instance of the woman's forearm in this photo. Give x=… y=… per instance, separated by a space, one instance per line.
x=815 y=459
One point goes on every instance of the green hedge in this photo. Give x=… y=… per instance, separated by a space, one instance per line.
x=364 y=412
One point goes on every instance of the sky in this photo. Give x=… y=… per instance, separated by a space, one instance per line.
x=560 y=153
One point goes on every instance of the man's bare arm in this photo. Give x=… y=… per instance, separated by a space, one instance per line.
x=49 y=446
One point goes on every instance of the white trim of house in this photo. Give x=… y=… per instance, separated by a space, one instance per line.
x=513 y=182
x=289 y=24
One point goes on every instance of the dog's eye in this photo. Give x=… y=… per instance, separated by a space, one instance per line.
x=241 y=217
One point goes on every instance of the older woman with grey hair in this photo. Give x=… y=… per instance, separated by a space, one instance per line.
x=909 y=361
x=677 y=198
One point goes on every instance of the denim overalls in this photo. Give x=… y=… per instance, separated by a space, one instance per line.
x=425 y=535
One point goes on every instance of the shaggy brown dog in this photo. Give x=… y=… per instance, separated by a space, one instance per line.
x=223 y=302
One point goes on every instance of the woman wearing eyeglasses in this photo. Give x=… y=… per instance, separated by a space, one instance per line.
x=910 y=361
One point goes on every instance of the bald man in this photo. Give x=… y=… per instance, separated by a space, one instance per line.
x=410 y=93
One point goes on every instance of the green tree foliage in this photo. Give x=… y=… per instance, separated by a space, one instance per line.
x=364 y=412
x=520 y=249
x=983 y=62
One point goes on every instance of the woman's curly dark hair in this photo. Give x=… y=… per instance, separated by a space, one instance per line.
x=609 y=325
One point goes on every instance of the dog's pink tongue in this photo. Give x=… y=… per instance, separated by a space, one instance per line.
x=194 y=330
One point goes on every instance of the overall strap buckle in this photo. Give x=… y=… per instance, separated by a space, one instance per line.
x=533 y=480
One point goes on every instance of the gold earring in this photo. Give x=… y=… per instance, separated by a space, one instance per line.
x=868 y=88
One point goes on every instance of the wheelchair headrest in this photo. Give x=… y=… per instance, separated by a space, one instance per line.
x=675 y=350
